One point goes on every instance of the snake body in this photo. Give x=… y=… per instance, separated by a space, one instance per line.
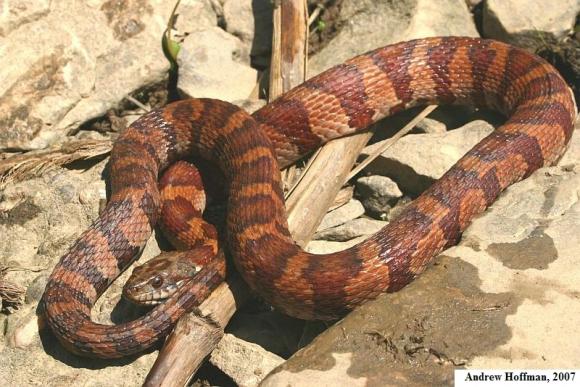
x=183 y=197
x=250 y=150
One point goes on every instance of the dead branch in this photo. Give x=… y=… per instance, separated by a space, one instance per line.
x=11 y=294
x=196 y=335
x=35 y=163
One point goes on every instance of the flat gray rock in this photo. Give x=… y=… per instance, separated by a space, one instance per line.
x=246 y=363
x=505 y=297
x=351 y=229
x=251 y=21
x=416 y=160
x=350 y=210
x=527 y=22
x=378 y=194
x=212 y=65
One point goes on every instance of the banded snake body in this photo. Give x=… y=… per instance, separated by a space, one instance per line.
x=250 y=150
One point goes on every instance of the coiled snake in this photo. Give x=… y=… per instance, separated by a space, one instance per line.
x=343 y=100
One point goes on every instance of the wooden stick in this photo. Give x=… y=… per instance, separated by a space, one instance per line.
x=35 y=163
x=289 y=46
x=386 y=144
x=196 y=335
x=319 y=186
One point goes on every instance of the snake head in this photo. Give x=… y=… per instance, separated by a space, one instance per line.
x=158 y=279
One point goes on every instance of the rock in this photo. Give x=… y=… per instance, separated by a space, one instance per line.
x=211 y=65
x=386 y=22
x=246 y=363
x=22 y=329
x=473 y=3
x=416 y=160
x=429 y=125
x=36 y=288
x=65 y=62
x=337 y=375
x=351 y=210
x=22 y=12
x=43 y=216
x=250 y=105
x=378 y=194
x=351 y=229
x=270 y=329
x=326 y=247
x=527 y=22
x=251 y=21
x=441 y=18
x=495 y=301
x=193 y=14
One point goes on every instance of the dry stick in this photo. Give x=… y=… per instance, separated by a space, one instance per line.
x=289 y=61
x=317 y=189
x=11 y=294
x=196 y=336
x=35 y=163
x=289 y=47
x=315 y=13
x=386 y=144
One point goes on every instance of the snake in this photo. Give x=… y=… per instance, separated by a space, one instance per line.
x=184 y=192
x=251 y=149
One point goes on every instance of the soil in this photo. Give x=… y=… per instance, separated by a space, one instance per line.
x=326 y=25
x=564 y=55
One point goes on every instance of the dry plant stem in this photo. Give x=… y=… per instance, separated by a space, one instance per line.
x=289 y=46
x=315 y=14
x=195 y=336
x=386 y=144
x=137 y=103
x=11 y=294
x=289 y=54
x=35 y=163
x=320 y=184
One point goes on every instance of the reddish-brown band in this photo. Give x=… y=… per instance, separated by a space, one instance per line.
x=341 y=101
x=183 y=201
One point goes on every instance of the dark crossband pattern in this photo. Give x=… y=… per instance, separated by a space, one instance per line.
x=338 y=102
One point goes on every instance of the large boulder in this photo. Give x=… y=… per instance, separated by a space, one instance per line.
x=503 y=298
x=528 y=23
x=65 y=62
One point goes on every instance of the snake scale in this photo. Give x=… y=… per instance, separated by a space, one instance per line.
x=250 y=150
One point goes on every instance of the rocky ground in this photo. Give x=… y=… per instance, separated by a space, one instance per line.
x=507 y=296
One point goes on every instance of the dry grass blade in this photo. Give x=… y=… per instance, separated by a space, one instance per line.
x=292 y=173
x=314 y=14
x=35 y=163
x=11 y=294
x=289 y=60
x=390 y=141
x=137 y=103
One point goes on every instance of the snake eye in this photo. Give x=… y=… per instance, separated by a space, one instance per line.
x=157 y=281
